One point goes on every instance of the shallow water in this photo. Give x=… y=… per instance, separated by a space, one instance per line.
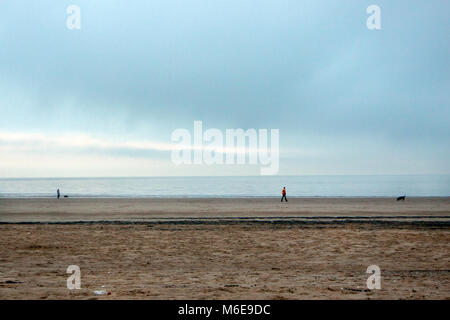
x=255 y=186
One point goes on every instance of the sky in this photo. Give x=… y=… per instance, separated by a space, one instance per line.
x=103 y=100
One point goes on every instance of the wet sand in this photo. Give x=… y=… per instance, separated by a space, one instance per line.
x=215 y=249
x=52 y=210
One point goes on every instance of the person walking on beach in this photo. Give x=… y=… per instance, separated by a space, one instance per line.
x=283 y=194
x=58 y=194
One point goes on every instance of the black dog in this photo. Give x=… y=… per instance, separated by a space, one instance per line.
x=401 y=198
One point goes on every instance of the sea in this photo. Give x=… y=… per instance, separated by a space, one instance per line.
x=227 y=187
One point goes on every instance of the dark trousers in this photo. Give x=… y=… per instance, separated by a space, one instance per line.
x=283 y=197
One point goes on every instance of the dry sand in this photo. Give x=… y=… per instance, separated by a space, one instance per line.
x=301 y=251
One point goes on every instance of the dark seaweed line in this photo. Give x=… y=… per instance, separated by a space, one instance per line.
x=244 y=221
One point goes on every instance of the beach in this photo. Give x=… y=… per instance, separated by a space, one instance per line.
x=150 y=209
x=228 y=248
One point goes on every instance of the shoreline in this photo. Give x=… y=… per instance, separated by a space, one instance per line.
x=180 y=197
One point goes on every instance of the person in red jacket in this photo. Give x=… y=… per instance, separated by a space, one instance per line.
x=283 y=194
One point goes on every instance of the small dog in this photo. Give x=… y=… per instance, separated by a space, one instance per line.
x=401 y=198
x=66 y=196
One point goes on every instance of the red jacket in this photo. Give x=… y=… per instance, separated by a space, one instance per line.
x=283 y=192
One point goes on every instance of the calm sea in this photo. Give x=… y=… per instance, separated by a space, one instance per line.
x=257 y=186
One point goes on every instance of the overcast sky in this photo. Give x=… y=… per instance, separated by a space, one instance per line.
x=103 y=100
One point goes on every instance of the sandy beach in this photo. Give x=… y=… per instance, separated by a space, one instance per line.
x=149 y=209
x=225 y=248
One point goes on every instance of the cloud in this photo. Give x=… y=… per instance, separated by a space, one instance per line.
x=76 y=142
x=136 y=71
x=72 y=141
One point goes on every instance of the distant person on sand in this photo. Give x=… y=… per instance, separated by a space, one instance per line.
x=283 y=194
x=58 y=194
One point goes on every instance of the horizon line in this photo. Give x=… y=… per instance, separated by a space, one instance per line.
x=227 y=176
